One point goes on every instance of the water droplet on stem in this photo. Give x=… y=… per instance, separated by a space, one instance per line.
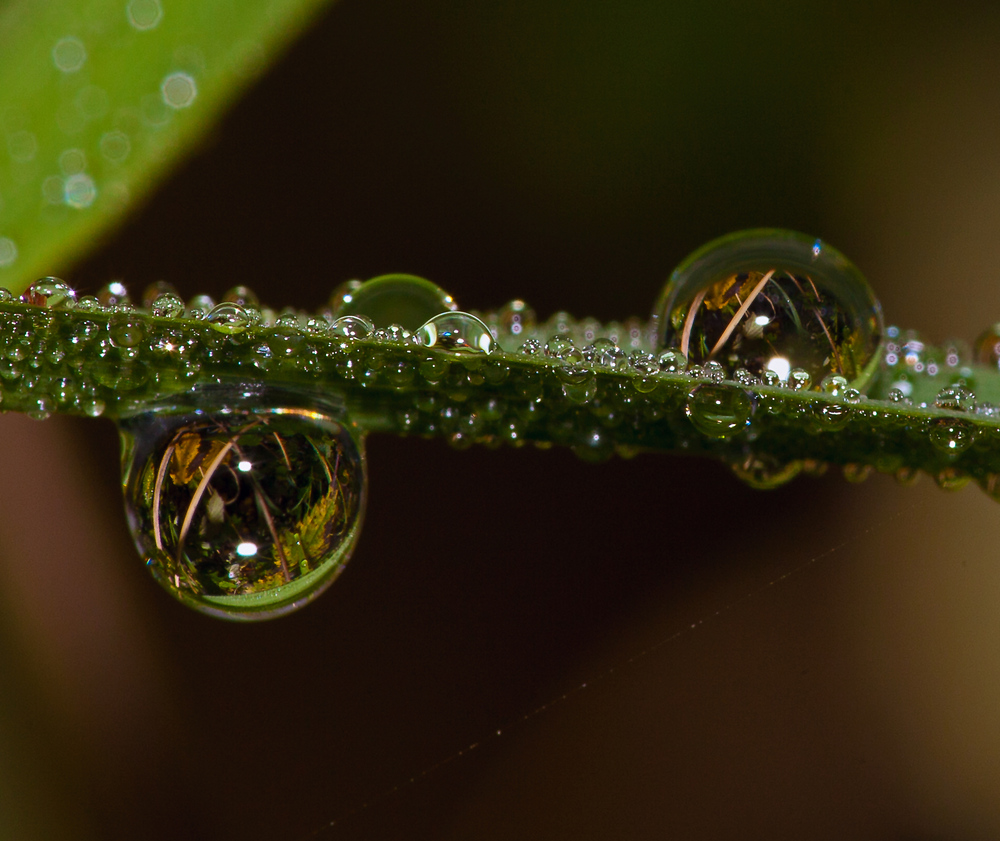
x=245 y=503
x=768 y=300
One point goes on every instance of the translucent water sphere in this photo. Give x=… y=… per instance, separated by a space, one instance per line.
x=459 y=332
x=247 y=502
x=718 y=411
x=403 y=299
x=769 y=300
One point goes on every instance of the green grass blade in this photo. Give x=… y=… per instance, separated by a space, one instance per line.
x=99 y=99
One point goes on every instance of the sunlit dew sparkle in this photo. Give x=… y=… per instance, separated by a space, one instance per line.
x=246 y=549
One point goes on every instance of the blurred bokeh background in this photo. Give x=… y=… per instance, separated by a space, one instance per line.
x=818 y=661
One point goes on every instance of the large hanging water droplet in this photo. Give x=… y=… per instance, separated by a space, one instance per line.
x=458 y=332
x=772 y=300
x=401 y=299
x=246 y=503
x=718 y=411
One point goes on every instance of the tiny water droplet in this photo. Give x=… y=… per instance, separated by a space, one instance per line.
x=952 y=436
x=247 y=505
x=772 y=378
x=167 y=305
x=51 y=293
x=605 y=353
x=458 y=332
x=559 y=345
x=718 y=411
x=714 y=372
x=394 y=334
x=318 y=326
x=673 y=362
x=579 y=383
x=230 y=319
x=799 y=379
x=403 y=299
x=645 y=363
x=125 y=330
x=955 y=398
x=833 y=416
x=532 y=347
x=768 y=299
x=833 y=384
x=351 y=327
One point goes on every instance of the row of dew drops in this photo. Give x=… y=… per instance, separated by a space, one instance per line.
x=577 y=347
x=731 y=331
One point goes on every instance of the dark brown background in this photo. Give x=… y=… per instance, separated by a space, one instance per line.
x=819 y=661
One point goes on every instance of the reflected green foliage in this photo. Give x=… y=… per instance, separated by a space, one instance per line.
x=99 y=99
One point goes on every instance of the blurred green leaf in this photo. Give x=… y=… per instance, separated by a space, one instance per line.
x=99 y=98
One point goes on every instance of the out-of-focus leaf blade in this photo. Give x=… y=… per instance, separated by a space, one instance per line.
x=98 y=98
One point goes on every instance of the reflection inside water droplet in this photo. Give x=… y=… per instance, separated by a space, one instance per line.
x=248 y=507
x=718 y=411
x=767 y=300
x=458 y=332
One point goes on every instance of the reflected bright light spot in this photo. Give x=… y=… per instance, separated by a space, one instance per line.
x=22 y=146
x=115 y=146
x=80 y=191
x=245 y=466
x=8 y=251
x=246 y=550
x=781 y=366
x=179 y=90
x=72 y=161
x=144 y=14
x=762 y=320
x=69 y=54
